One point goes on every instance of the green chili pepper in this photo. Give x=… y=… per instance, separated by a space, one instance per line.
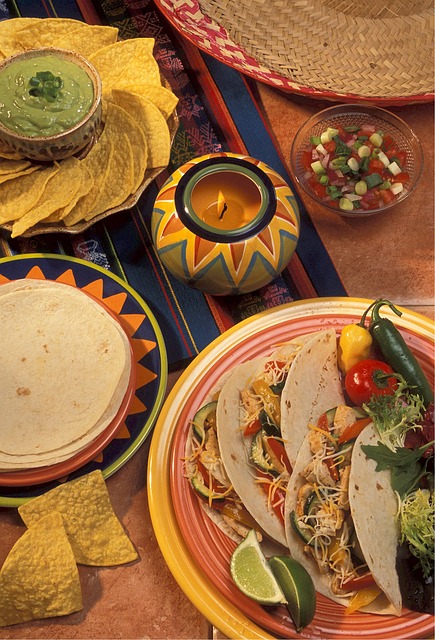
x=395 y=351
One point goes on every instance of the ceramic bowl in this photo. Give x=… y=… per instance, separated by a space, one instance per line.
x=342 y=117
x=220 y=255
x=73 y=140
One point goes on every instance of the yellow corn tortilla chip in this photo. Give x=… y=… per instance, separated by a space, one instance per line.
x=130 y=59
x=10 y=176
x=160 y=96
x=97 y=162
x=39 y=578
x=13 y=166
x=85 y=186
x=8 y=30
x=21 y=194
x=95 y=533
x=59 y=191
x=152 y=122
x=81 y=37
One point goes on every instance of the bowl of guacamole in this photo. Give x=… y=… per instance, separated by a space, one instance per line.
x=50 y=103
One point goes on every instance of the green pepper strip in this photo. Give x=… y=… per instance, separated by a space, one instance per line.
x=396 y=352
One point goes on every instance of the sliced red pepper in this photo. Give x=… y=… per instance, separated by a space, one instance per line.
x=278 y=449
x=353 y=430
x=252 y=428
x=361 y=582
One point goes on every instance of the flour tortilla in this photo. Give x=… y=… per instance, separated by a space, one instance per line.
x=371 y=505
x=65 y=367
x=235 y=447
x=313 y=386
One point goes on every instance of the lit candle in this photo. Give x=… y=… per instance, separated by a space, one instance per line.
x=227 y=197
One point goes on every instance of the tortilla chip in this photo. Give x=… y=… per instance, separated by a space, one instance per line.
x=95 y=533
x=85 y=187
x=152 y=122
x=8 y=30
x=132 y=60
x=39 y=578
x=160 y=96
x=18 y=196
x=83 y=38
x=10 y=176
x=12 y=166
x=59 y=192
x=97 y=162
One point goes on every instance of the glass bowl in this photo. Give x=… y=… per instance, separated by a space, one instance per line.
x=398 y=139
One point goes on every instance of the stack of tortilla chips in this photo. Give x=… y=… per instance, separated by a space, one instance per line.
x=135 y=139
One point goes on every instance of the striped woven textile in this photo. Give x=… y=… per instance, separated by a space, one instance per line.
x=217 y=112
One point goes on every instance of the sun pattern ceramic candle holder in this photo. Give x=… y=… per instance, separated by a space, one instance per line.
x=225 y=224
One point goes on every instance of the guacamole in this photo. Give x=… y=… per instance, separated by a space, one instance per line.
x=32 y=113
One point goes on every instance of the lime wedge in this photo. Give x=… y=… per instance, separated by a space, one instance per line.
x=298 y=588
x=252 y=573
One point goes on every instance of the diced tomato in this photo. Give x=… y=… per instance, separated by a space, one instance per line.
x=402 y=157
x=320 y=190
x=387 y=196
x=330 y=146
x=388 y=142
x=375 y=166
x=306 y=160
x=402 y=177
x=392 y=151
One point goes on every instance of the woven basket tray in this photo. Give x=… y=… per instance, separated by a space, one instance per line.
x=375 y=50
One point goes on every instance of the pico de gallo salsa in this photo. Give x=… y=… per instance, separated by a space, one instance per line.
x=355 y=168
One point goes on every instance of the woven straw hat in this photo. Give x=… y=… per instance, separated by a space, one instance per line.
x=369 y=48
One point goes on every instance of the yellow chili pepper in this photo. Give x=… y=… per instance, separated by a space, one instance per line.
x=353 y=346
x=362 y=598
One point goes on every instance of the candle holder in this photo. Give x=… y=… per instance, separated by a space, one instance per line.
x=225 y=224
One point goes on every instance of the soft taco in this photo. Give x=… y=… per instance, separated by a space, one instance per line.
x=312 y=387
x=340 y=516
x=207 y=476
x=250 y=419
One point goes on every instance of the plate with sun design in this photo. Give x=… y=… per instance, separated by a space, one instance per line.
x=149 y=358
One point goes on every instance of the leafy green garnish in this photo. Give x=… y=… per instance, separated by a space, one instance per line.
x=417 y=521
x=45 y=85
x=407 y=465
x=341 y=148
x=393 y=416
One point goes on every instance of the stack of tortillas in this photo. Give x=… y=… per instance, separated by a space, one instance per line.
x=65 y=366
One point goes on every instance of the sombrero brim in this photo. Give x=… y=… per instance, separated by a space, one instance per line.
x=331 y=49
